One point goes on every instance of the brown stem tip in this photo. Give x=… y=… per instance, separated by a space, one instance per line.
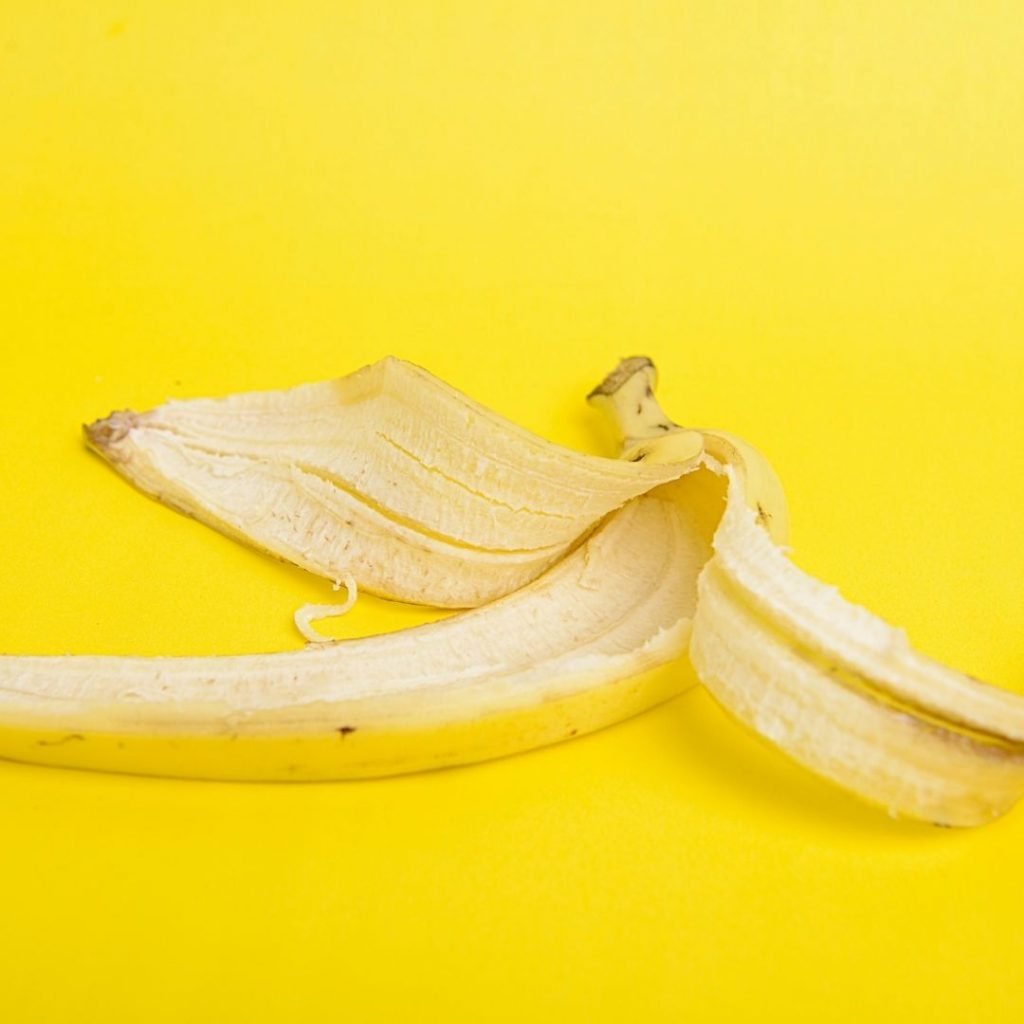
x=626 y=369
x=106 y=434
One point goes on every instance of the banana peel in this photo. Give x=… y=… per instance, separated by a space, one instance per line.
x=586 y=581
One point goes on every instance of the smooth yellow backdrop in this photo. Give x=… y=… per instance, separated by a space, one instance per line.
x=810 y=214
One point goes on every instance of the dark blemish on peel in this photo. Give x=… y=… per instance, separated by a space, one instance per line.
x=639 y=457
x=639 y=408
x=649 y=392
x=764 y=517
x=59 y=743
x=573 y=732
x=344 y=730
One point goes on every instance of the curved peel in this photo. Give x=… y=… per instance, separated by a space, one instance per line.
x=573 y=651
x=387 y=475
x=828 y=683
x=843 y=693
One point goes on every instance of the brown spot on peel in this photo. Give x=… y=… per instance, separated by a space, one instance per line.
x=59 y=743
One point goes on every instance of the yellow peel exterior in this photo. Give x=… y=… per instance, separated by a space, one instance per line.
x=363 y=753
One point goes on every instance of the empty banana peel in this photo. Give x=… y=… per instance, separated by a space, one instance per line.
x=592 y=578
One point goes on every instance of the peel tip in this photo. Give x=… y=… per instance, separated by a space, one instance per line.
x=107 y=434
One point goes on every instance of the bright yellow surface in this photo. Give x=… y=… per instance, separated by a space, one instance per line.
x=811 y=214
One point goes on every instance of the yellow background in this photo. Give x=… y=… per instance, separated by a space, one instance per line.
x=810 y=214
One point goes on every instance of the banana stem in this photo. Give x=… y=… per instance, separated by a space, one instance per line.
x=644 y=432
x=626 y=396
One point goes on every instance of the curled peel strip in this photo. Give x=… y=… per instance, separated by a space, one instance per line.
x=307 y=614
x=588 y=580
